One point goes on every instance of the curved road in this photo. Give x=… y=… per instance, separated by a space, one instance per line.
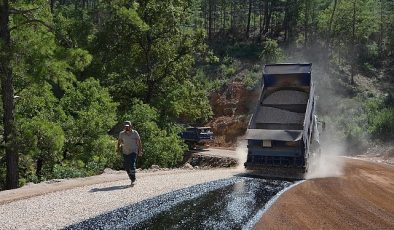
x=361 y=199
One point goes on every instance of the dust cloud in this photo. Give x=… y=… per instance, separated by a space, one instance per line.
x=329 y=95
x=328 y=163
x=241 y=153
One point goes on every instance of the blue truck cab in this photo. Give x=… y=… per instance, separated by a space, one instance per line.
x=197 y=137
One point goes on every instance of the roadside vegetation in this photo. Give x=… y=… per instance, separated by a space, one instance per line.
x=72 y=70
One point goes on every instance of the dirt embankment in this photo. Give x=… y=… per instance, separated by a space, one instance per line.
x=232 y=106
x=361 y=199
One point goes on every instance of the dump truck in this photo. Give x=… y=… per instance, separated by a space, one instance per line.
x=197 y=137
x=282 y=134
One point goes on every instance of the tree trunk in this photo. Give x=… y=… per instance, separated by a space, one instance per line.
x=249 y=16
x=205 y=15
x=381 y=35
x=267 y=16
x=329 y=35
x=150 y=81
x=52 y=5
x=353 y=54
x=261 y=21
x=254 y=20
x=328 y=46
x=215 y=18
x=306 y=24
x=232 y=15
x=149 y=93
x=224 y=16
x=210 y=19
x=7 y=92
x=285 y=24
x=39 y=165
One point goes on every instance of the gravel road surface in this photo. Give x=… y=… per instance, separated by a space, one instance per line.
x=62 y=208
x=361 y=199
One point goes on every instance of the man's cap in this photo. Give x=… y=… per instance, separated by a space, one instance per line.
x=127 y=123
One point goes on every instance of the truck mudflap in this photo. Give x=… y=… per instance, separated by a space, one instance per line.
x=295 y=173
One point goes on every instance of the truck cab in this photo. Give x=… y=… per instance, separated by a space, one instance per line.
x=197 y=137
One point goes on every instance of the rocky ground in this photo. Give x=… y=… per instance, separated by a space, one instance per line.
x=379 y=153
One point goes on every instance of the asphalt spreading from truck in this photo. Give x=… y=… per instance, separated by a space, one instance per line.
x=233 y=203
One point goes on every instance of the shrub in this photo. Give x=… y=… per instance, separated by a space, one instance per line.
x=227 y=71
x=69 y=170
x=187 y=103
x=382 y=124
x=244 y=50
x=90 y=113
x=380 y=113
x=271 y=52
x=251 y=79
x=104 y=155
x=161 y=147
x=45 y=143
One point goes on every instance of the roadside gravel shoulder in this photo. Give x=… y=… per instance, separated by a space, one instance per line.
x=56 y=205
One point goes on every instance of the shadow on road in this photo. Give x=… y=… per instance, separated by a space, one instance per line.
x=118 y=187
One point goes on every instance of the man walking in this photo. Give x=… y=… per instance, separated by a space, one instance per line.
x=129 y=144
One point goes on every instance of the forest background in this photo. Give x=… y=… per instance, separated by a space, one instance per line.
x=73 y=69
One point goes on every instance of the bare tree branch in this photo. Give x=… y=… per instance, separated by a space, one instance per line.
x=22 y=11
x=31 y=21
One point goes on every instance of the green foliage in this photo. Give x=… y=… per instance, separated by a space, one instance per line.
x=148 y=57
x=359 y=49
x=372 y=120
x=41 y=140
x=211 y=58
x=73 y=27
x=271 y=53
x=104 y=148
x=244 y=50
x=188 y=103
x=251 y=79
x=38 y=101
x=161 y=147
x=37 y=55
x=227 y=71
x=90 y=113
x=69 y=170
x=83 y=65
x=380 y=115
x=382 y=124
x=77 y=59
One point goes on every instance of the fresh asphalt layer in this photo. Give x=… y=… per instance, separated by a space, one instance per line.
x=230 y=203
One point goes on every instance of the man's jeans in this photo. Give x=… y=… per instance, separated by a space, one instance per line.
x=129 y=165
